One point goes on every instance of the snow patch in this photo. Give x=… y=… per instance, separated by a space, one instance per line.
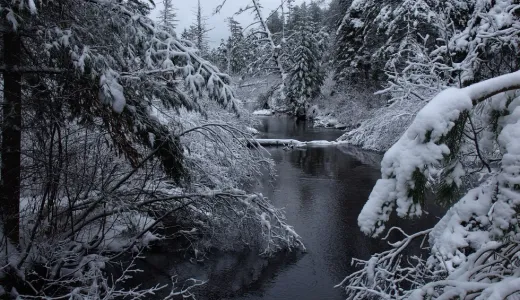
x=263 y=112
x=111 y=92
x=252 y=130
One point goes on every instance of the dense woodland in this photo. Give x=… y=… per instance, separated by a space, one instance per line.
x=120 y=131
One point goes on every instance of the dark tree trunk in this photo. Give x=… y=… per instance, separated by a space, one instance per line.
x=11 y=138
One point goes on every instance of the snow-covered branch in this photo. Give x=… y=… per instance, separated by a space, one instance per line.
x=385 y=274
x=422 y=149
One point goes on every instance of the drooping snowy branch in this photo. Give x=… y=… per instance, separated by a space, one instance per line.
x=422 y=150
x=385 y=274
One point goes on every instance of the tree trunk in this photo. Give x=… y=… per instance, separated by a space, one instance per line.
x=11 y=138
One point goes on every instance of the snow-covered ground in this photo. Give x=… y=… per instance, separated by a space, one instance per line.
x=329 y=122
x=383 y=126
x=369 y=123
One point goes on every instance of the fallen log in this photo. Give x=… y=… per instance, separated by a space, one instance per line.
x=290 y=143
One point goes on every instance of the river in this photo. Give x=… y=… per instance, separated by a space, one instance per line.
x=322 y=189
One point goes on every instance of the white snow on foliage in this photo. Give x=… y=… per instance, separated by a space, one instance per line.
x=482 y=217
x=488 y=212
x=414 y=151
x=474 y=247
x=450 y=234
x=111 y=92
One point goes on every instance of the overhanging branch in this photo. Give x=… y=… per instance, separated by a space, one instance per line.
x=481 y=91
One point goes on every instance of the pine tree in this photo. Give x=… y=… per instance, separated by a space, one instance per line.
x=199 y=31
x=371 y=33
x=306 y=76
x=463 y=146
x=294 y=17
x=168 y=16
x=334 y=14
x=275 y=23
x=351 y=58
x=316 y=14
x=220 y=56
x=236 y=48
x=288 y=16
x=187 y=34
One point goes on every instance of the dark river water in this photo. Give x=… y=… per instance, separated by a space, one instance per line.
x=322 y=189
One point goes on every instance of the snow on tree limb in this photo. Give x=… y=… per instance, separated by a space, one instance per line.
x=161 y=48
x=381 y=275
x=464 y=145
x=274 y=48
x=422 y=149
x=481 y=91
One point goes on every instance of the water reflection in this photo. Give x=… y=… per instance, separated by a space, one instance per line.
x=283 y=127
x=322 y=190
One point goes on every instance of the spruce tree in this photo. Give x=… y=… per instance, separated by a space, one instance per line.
x=275 y=23
x=334 y=14
x=197 y=32
x=235 y=48
x=351 y=58
x=187 y=34
x=316 y=13
x=168 y=16
x=100 y=54
x=372 y=33
x=200 y=31
x=306 y=76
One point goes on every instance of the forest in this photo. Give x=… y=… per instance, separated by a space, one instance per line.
x=124 y=134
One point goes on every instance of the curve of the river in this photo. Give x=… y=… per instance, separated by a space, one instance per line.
x=322 y=190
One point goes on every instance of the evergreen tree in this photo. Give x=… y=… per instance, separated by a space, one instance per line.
x=351 y=58
x=316 y=13
x=334 y=14
x=294 y=17
x=235 y=48
x=187 y=34
x=290 y=10
x=129 y=63
x=275 y=23
x=371 y=33
x=306 y=76
x=199 y=31
x=220 y=56
x=168 y=16
x=463 y=145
